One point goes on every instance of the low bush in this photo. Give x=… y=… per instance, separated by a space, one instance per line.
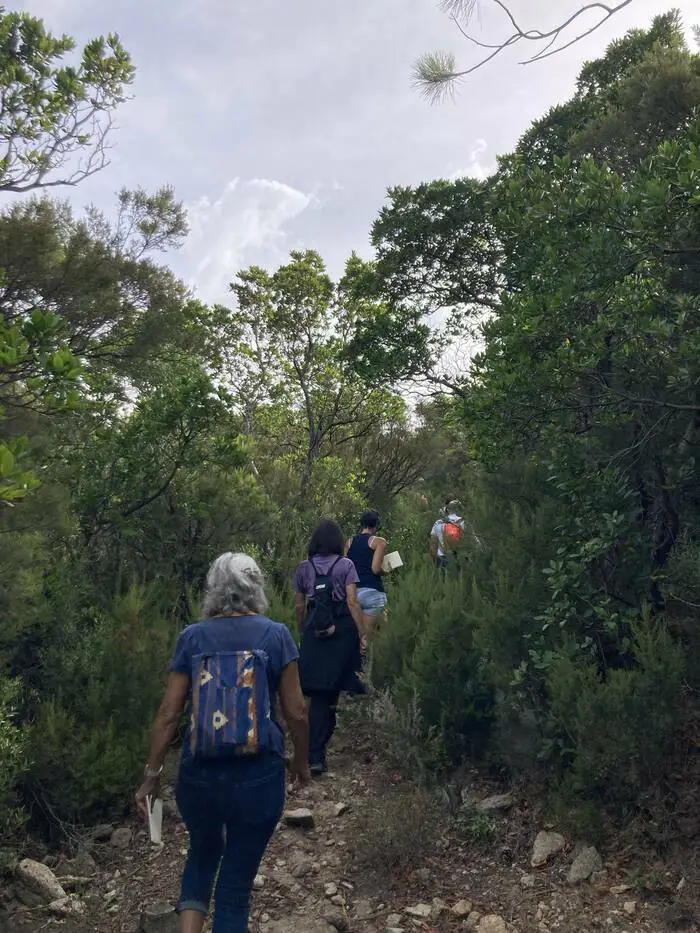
x=14 y=761
x=105 y=677
x=395 y=835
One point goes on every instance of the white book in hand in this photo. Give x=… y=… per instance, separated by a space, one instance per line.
x=391 y=562
x=155 y=819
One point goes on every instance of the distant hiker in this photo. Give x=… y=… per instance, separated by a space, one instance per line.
x=231 y=782
x=330 y=620
x=367 y=551
x=447 y=533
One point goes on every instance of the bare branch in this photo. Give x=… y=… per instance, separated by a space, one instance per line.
x=436 y=74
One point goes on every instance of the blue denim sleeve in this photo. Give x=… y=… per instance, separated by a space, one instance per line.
x=181 y=662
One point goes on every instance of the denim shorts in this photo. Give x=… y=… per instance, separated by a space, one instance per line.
x=372 y=602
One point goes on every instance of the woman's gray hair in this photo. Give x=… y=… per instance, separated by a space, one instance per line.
x=235 y=583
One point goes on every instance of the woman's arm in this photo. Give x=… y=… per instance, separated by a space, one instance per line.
x=164 y=728
x=297 y=719
x=354 y=607
x=379 y=547
x=348 y=545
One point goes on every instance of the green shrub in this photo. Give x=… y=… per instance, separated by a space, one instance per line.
x=408 y=744
x=14 y=762
x=105 y=677
x=613 y=731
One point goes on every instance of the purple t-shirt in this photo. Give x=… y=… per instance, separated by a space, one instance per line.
x=343 y=573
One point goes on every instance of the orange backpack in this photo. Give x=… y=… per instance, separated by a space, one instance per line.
x=452 y=534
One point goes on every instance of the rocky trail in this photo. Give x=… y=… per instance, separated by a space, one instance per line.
x=362 y=851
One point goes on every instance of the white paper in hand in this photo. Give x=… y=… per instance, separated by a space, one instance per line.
x=392 y=562
x=155 y=819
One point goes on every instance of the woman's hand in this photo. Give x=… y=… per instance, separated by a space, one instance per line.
x=299 y=771
x=149 y=788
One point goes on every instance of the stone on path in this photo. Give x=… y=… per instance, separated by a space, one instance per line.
x=630 y=908
x=492 y=924
x=586 y=863
x=393 y=920
x=420 y=911
x=462 y=908
x=101 y=833
x=546 y=845
x=82 y=866
x=496 y=804
x=159 y=918
x=70 y=906
x=528 y=881
x=299 y=819
x=340 y=809
x=40 y=881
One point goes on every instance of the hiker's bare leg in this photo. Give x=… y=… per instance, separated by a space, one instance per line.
x=191 y=921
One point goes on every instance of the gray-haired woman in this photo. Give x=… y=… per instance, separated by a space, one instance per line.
x=231 y=781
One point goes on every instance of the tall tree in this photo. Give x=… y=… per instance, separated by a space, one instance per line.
x=55 y=119
x=288 y=336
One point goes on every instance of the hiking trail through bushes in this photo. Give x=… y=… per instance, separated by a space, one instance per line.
x=385 y=855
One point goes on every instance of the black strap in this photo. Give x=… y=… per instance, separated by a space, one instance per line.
x=328 y=573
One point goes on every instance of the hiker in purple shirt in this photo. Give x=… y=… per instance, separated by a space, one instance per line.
x=330 y=619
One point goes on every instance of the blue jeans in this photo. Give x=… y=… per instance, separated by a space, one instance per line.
x=231 y=810
x=372 y=602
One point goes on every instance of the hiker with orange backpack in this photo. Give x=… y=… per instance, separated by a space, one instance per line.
x=446 y=534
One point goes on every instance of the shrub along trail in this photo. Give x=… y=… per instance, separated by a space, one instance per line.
x=384 y=855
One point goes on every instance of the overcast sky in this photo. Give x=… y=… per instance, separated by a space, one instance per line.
x=281 y=124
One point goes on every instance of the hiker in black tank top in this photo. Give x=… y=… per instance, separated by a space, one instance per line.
x=367 y=550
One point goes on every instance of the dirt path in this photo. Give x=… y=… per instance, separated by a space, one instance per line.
x=381 y=856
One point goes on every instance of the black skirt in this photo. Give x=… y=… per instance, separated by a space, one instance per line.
x=330 y=665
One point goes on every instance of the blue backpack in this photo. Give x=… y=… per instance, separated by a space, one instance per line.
x=230 y=704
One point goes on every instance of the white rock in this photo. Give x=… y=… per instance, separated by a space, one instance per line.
x=340 y=809
x=499 y=802
x=393 y=920
x=259 y=882
x=630 y=908
x=40 y=880
x=70 y=906
x=547 y=845
x=462 y=908
x=159 y=918
x=492 y=924
x=331 y=889
x=586 y=863
x=528 y=881
x=299 y=819
x=420 y=911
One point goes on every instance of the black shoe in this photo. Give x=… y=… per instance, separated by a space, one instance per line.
x=317 y=769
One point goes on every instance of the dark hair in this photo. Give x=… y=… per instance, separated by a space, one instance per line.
x=369 y=519
x=327 y=539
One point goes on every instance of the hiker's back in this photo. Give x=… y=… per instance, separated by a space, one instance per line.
x=361 y=554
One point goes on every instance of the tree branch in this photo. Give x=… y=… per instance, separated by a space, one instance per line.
x=436 y=74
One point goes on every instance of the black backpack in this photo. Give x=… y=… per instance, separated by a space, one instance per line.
x=322 y=605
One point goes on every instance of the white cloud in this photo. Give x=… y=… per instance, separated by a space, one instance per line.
x=246 y=224
x=476 y=167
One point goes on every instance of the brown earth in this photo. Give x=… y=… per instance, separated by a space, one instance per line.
x=390 y=850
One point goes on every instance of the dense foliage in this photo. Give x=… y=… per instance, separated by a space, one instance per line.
x=142 y=433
